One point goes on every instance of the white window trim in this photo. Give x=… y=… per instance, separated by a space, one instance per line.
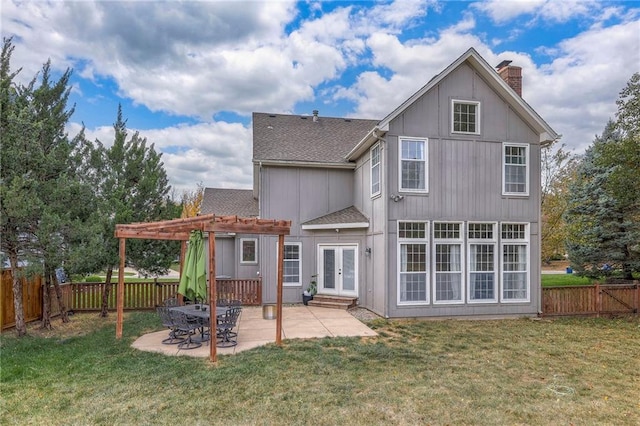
x=478 y=116
x=527 y=169
x=424 y=241
x=496 y=254
x=298 y=284
x=371 y=165
x=425 y=160
x=255 y=253
x=506 y=242
x=460 y=242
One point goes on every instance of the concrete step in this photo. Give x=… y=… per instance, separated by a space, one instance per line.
x=334 y=302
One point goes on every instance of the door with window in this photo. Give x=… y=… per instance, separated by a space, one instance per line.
x=338 y=270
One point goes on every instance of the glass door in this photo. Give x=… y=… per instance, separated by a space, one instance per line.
x=338 y=270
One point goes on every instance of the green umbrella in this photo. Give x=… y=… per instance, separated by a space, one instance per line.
x=193 y=280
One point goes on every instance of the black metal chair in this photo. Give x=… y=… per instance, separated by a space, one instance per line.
x=175 y=337
x=226 y=337
x=228 y=302
x=189 y=326
x=171 y=302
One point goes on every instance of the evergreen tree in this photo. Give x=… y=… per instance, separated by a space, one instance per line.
x=604 y=201
x=38 y=185
x=133 y=187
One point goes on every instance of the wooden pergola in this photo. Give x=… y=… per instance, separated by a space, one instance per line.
x=180 y=229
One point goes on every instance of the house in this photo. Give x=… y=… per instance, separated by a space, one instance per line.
x=433 y=211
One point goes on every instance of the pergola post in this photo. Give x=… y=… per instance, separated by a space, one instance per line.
x=120 y=296
x=279 y=293
x=212 y=298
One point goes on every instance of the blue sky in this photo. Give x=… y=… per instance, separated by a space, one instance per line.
x=188 y=74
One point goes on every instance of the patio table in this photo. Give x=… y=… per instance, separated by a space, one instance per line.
x=202 y=314
x=199 y=312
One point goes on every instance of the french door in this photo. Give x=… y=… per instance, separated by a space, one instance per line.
x=338 y=270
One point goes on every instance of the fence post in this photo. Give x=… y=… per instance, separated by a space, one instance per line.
x=598 y=300
x=636 y=304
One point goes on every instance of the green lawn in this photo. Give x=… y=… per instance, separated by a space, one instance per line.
x=570 y=371
x=553 y=280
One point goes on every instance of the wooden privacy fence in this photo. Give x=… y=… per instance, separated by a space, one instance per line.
x=591 y=300
x=84 y=297
x=31 y=299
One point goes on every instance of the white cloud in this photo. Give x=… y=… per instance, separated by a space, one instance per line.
x=201 y=58
x=217 y=154
x=501 y=11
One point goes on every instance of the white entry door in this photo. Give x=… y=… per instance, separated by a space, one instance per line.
x=338 y=270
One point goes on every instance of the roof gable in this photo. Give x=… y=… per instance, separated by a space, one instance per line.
x=473 y=59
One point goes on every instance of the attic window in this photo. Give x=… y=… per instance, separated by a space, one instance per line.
x=465 y=117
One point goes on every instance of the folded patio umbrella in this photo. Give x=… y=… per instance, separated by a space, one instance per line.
x=193 y=280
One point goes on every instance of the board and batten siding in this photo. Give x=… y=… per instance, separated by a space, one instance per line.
x=302 y=194
x=373 y=269
x=464 y=182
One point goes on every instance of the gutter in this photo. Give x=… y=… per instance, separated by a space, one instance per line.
x=306 y=164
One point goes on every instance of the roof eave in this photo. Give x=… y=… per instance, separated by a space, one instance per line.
x=353 y=225
x=365 y=143
x=305 y=164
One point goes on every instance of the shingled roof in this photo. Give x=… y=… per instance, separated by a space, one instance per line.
x=229 y=202
x=350 y=217
x=296 y=138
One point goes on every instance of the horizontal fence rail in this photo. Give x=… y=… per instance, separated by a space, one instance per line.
x=591 y=300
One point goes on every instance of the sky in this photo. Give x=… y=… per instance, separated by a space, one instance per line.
x=189 y=74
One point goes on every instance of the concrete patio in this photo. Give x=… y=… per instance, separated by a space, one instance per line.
x=298 y=322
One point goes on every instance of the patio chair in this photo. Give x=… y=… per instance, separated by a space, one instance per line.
x=175 y=336
x=228 y=302
x=187 y=325
x=226 y=337
x=170 y=302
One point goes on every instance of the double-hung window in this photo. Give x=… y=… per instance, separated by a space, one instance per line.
x=515 y=262
x=482 y=252
x=249 y=251
x=448 y=261
x=292 y=264
x=413 y=262
x=375 y=170
x=465 y=117
x=413 y=164
x=515 y=174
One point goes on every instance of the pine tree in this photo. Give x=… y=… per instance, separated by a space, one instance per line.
x=604 y=201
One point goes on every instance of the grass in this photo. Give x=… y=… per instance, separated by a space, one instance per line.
x=554 y=280
x=568 y=371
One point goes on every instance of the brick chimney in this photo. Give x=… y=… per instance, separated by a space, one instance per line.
x=512 y=75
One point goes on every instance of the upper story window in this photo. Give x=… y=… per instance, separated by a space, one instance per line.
x=249 y=251
x=465 y=117
x=375 y=170
x=515 y=176
x=413 y=164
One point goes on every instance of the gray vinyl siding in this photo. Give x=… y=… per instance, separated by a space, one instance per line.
x=225 y=257
x=373 y=269
x=464 y=184
x=299 y=195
